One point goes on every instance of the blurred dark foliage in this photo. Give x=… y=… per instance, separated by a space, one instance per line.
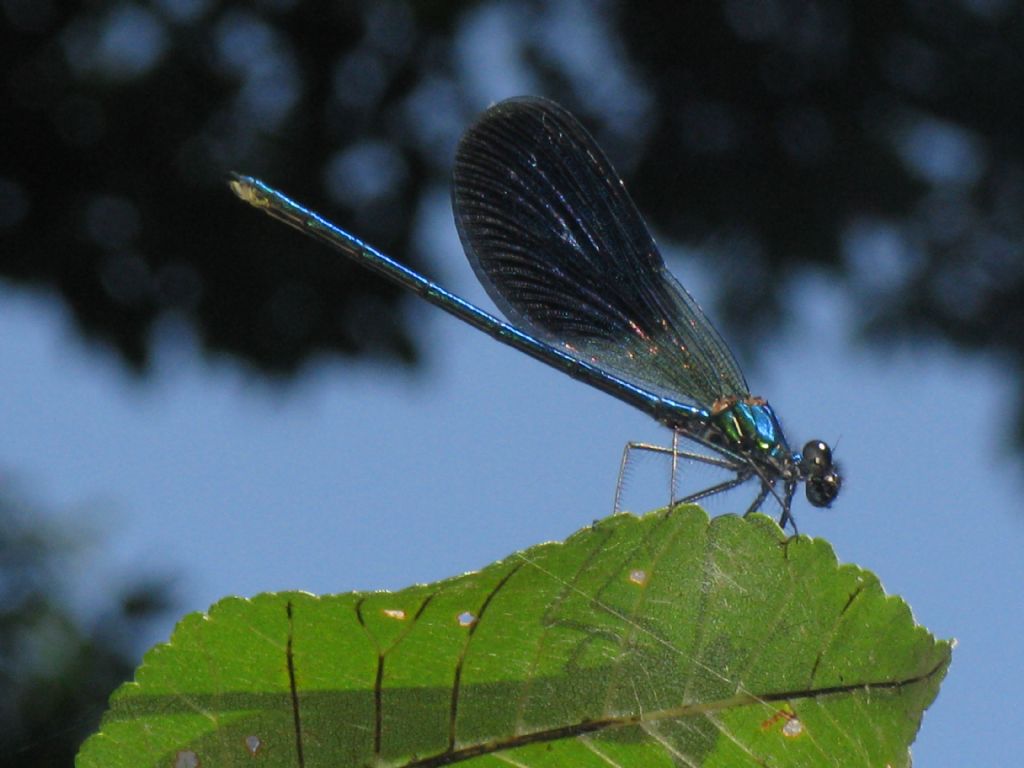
x=58 y=669
x=877 y=142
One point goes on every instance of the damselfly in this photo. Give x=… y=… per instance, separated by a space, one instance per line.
x=560 y=247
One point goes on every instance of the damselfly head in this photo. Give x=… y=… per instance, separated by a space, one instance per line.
x=822 y=479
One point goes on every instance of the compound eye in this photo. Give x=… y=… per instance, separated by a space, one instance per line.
x=816 y=458
x=822 y=489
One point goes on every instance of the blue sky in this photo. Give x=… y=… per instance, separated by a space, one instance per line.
x=361 y=476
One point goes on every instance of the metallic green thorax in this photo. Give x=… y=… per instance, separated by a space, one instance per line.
x=751 y=424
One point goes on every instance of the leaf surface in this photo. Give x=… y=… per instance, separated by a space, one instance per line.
x=654 y=641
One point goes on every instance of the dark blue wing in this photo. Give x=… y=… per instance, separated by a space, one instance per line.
x=560 y=247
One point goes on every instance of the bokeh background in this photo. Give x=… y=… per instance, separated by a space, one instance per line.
x=196 y=402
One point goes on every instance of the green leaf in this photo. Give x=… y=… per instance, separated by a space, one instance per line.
x=652 y=641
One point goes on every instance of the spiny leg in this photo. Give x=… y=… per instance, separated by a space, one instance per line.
x=787 y=516
x=768 y=486
x=785 y=501
x=759 y=500
x=676 y=454
x=740 y=478
x=673 y=470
